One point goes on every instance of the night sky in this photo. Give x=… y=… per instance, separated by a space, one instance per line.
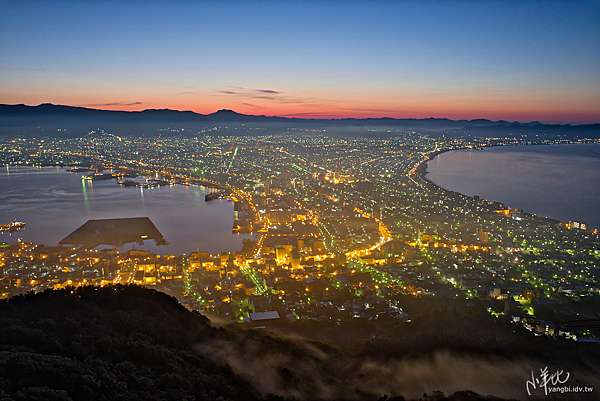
x=520 y=60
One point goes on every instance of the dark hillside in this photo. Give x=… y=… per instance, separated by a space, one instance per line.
x=132 y=343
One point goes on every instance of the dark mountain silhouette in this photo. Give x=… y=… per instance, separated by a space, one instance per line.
x=24 y=114
x=132 y=343
x=226 y=115
x=50 y=116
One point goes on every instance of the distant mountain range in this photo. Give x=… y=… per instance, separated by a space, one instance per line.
x=50 y=116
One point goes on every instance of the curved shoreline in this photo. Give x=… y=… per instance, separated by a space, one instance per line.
x=226 y=239
x=422 y=172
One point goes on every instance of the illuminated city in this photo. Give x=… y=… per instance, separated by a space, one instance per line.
x=341 y=228
x=299 y=200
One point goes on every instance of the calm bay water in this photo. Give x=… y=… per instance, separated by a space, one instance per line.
x=558 y=181
x=54 y=202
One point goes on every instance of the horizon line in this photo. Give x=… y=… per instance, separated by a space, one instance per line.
x=307 y=116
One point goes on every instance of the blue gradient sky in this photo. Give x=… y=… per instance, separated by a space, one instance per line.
x=458 y=59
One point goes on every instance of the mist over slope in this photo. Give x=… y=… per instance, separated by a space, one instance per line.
x=126 y=343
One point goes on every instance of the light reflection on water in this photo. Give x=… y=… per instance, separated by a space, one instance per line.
x=54 y=202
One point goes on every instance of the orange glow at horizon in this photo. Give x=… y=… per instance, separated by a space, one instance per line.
x=366 y=106
x=326 y=112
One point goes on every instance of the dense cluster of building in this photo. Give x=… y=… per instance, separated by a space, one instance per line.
x=344 y=227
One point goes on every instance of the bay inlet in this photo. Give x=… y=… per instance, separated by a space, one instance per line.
x=54 y=202
x=557 y=181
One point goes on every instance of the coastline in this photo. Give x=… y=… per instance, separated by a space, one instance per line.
x=421 y=170
x=422 y=173
x=223 y=240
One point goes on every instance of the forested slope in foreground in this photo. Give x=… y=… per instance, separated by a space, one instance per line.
x=132 y=343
